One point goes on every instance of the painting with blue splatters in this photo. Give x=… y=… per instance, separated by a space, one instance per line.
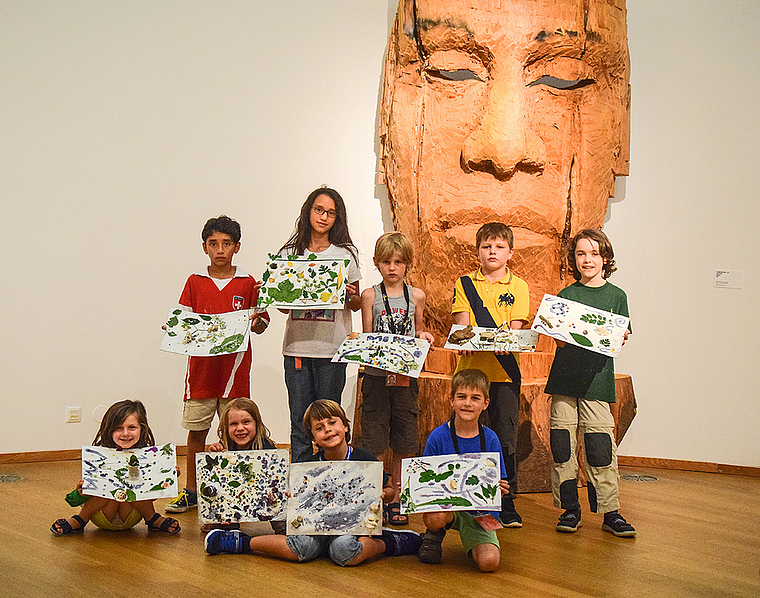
x=581 y=325
x=451 y=483
x=240 y=486
x=390 y=352
x=129 y=475
x=336 y=498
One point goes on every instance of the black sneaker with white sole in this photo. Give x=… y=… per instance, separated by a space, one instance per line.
x=569 y=522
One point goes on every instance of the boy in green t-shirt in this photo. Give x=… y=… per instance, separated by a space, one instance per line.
x=582 y=385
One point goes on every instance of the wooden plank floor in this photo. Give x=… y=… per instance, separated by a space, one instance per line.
x=697 y=536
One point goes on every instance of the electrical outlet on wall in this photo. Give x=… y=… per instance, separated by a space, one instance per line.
x=73 y=415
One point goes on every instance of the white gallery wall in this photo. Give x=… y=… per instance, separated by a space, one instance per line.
x=125 y=125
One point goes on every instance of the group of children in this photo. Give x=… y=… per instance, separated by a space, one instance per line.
x=581 y=384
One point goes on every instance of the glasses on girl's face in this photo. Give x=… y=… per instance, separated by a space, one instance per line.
x=319 y=211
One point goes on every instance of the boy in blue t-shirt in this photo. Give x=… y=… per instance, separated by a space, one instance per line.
x=464 y=434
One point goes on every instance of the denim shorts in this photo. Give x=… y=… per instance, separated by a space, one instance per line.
x=340 y=549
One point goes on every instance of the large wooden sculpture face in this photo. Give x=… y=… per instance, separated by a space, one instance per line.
x=514 y=111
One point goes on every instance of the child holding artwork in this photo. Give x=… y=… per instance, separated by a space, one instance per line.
x=124 y=426
x=211 y=382
x=330 y=430
x=313 y=336
x=242 y=429
x=492 y=297
x=389 y=403
x=582 y=386
x=465 y=434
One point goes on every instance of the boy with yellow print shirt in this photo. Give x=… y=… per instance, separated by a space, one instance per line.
x=489 y=298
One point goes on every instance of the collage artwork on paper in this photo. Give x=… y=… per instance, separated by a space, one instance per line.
x=203 y=335
x=472 y=338
x=335 y=498
x=129 y=475
x=298 y=282
x=451 y=482
x=239 y=486
x=391 y=352
x=581 y=325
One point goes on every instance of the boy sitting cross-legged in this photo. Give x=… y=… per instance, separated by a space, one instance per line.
x=465 y=434
x=329 y=428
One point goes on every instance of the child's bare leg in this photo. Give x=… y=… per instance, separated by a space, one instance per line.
x=124 y=510
x=487 y=557
x=196 y=443
x=437 y=521
x=397 y=474
x=370 y=547
x=273 y=545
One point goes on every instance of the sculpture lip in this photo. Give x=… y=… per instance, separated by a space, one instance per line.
x=525 y=222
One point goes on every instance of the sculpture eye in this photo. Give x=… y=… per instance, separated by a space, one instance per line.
x=557 y=83
x=453 y=75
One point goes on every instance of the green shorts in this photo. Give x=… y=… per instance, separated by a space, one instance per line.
x=132 y=520
x=471 y=532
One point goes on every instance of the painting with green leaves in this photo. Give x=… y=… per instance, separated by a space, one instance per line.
x=581 y=325
x=204 y=335
x=129 y=475
x=390 y=352
x=304 y=282
x=468 y=482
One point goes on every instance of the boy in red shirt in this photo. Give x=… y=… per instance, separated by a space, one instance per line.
x=211 y=382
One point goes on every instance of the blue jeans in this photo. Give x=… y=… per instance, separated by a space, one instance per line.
x=341 y=549
x=317 y=378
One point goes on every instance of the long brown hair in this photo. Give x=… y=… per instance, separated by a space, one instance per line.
x=115 y=416
x=262 y=432
x=338 y=235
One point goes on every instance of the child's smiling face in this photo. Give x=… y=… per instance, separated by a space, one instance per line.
x=127 y=433
x=241 y=428
x=589 y=262
x=468 y=403
x=329 y=433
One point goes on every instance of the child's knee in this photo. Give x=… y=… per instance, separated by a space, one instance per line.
x=344 y=549
x=487 y=557
x=436 y=521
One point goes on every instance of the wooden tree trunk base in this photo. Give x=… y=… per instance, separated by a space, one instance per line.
x=534 y=459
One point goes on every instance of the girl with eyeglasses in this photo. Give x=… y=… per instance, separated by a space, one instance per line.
x=312 y=336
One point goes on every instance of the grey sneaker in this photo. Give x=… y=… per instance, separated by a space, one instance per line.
x=187 y=499
x=615 y=524
x=430 y=552
x=569 y=522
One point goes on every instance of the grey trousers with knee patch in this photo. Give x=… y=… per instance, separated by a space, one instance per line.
x=592 y=421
